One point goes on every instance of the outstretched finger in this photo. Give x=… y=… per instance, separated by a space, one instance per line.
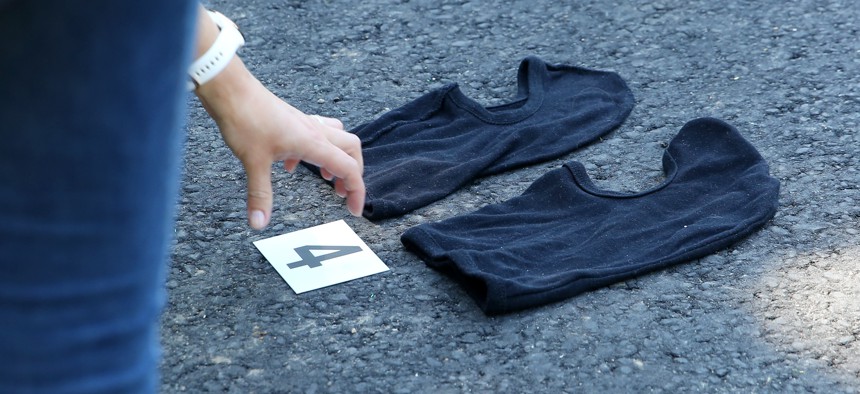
x=259 y=175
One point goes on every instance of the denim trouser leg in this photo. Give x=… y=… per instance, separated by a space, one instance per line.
x=91 y=108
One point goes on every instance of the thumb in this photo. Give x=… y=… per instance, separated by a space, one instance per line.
x=259 y=193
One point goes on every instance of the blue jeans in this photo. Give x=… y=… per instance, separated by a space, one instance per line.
x=91 y=110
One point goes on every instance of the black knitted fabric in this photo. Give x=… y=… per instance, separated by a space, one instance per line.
x=421 y=152
x=564 y=236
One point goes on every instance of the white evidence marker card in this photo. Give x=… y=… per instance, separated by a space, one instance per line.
x=320 y=256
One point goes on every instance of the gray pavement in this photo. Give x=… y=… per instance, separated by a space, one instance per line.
x=777 y=312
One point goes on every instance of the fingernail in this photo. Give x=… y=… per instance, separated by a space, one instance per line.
x=257 y=219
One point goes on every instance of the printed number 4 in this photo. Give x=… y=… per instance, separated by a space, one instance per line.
x=312 y=261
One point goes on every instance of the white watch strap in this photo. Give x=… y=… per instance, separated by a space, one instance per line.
x=215 y=59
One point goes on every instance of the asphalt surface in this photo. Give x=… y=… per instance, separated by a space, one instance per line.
x=778 y=312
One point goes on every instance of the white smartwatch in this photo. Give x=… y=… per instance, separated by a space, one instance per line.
x=215 y=59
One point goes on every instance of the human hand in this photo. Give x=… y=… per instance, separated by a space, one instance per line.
x=261 y=129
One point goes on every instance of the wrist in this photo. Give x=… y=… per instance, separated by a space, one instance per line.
x=227 y=91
